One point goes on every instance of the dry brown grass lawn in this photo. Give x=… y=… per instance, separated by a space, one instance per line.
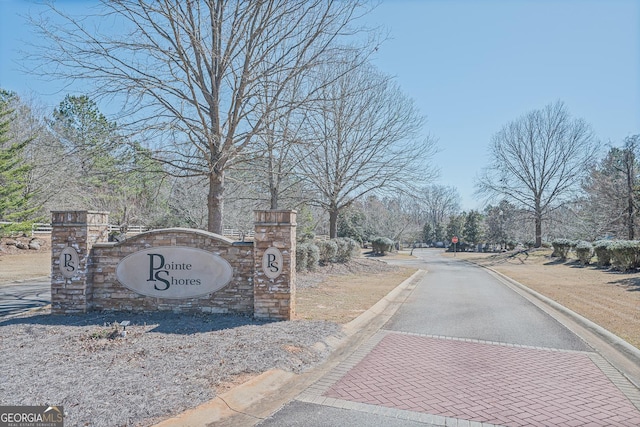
x=340 y=294
x=609 y=298
x=18 y=264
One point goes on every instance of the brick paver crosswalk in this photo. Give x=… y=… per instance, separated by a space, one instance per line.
x=475 y=381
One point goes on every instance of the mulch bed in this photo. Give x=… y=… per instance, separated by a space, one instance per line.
x=166 y=364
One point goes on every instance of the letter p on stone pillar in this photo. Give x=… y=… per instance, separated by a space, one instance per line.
x=72 y=237
x=274 y=264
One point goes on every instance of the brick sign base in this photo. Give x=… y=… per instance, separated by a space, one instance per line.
x=179 y=270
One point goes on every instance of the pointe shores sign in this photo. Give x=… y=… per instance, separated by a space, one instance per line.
x=174 y=272
x=174 y=269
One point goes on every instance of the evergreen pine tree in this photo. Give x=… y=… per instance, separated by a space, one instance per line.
x=14 y=172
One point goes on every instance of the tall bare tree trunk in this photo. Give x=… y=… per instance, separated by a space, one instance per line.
x=538 y=222
x=273 y=184
x=333 y=222
x=631 y=215
x=273 y=204
x=630 y=161
x=215 y=202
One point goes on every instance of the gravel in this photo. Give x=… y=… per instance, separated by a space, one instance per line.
x=166 y=364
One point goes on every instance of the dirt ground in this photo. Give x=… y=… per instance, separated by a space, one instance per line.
x=608 y=298
x=20 y=264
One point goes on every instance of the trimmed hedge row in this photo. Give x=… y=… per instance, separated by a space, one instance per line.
x=584 y=251
x=623 y=255
x=601 y=248
x=310 y=254
x=561 y=248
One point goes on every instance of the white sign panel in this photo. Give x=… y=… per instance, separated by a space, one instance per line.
x=272 y=262
x=174 y=272
x=69 y=262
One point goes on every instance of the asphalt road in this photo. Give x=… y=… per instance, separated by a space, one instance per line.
x=458 y=299
x=454 y=299
x=25 y=295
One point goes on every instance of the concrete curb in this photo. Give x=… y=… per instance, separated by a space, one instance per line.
x=250 y=402
x=233 y=402
x=626 y=350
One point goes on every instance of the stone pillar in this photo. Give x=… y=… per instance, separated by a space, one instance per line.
x=73 y=235
x=275 y=264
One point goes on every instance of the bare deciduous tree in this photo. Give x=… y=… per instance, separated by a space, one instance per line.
x=440 y=203
x=190 y=73
x=368 y=140
x=272 y=164
x=537 y=160
x=611 y=201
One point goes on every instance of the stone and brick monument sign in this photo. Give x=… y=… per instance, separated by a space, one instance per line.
x=176 y=269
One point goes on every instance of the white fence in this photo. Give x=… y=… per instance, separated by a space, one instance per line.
x=238 y=234
x=44 y=228
x=131 y=229
x=40 y=228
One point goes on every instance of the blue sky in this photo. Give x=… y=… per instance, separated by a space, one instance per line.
x=471 y=66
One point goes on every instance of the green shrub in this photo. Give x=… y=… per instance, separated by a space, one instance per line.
x=380 y=245
x=328 y=249
x=313 y=256
x=306 y=237
x=561 y=248
x=603 y=252
x=341 y=245
x=301 y=256
x=348 y=249
x=625 y=254
x=307 y=256
x=584 y=251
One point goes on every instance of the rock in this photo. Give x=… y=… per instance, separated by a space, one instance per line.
x=37 y=240
x=21 y=245
x=11 y=243
x=35 y=245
